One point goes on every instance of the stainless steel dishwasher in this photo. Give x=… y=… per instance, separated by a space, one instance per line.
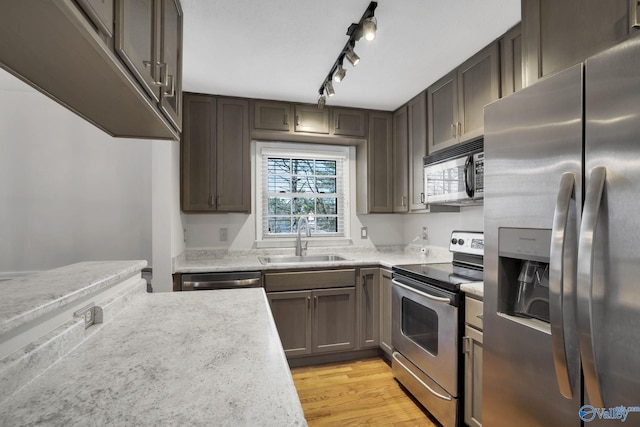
x=226 y=280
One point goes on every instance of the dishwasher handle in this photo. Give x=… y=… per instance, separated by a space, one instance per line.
x=227 y=281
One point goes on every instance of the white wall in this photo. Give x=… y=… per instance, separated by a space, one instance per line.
x=440 y=225
x=68 y=191
x=166 y=219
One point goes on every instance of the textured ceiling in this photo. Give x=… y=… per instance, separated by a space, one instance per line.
x=283 y=49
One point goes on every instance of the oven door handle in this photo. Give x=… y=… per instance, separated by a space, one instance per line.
x=421 y=293
x=425 y=385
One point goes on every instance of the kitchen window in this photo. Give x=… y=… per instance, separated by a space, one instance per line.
x=298 y=181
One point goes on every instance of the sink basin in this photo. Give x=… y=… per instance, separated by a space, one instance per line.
x=285 y=259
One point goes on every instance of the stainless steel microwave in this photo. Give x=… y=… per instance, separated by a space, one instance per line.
x=455 y=176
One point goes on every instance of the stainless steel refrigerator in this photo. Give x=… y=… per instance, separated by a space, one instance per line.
x=562 y=247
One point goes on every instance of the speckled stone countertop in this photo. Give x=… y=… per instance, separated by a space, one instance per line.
x=27 y=298
x=475 y=289
x=192 y=358
x=204 y=261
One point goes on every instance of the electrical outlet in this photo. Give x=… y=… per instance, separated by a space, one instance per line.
x=224 y=235
x=363 y=232
x=425 y=234
x=184 y=235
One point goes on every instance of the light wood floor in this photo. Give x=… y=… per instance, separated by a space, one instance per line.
x=356 y=393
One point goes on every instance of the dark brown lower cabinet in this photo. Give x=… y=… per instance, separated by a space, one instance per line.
x=368 y=297
x=292 y=314
x=312 y=322
x=314 y=311
x=385 y=312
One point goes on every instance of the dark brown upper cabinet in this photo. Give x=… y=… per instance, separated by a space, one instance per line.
x=400 y=160
x=198 y=146
x=216 y=175
x=417 y=139
x=171 y=58
x=511 y=61
x=559 y=34
x=349 y=122
x=379 y=191
x=101 y=14
x=272 y=115
x=149 y=41
x=309 y=118
x=455 y=103
x=66 y=49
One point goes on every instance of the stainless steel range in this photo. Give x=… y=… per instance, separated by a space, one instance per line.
x=427 y=313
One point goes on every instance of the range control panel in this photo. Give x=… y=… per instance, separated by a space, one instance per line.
x=467 y=242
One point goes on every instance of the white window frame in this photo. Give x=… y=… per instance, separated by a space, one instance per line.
x=288 y=149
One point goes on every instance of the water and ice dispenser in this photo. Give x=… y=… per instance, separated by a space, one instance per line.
x=523 y=278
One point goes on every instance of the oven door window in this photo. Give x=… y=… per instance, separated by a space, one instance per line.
x=420 y=324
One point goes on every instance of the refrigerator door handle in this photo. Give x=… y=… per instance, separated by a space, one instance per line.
x=586 y=252
x=561 y=269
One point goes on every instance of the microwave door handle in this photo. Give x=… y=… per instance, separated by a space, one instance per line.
x=587 y=242
x=562 y=279
x=468 y=185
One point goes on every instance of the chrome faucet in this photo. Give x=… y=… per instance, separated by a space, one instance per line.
x=299 y=249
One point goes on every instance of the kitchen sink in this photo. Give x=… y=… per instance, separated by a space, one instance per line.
x=286 y=259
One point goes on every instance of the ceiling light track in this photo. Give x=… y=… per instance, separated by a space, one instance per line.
x=366 y=28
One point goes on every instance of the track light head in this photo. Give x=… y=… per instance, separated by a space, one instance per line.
x=322 y=100
x=369 y=27
x=339 y=74
x=328 y=88
x=351 y=55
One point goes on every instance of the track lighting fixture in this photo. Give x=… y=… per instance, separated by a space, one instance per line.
x=367 y=27
x=328 y=87
x=340 y=73
x=352 y=56
x=321 y=101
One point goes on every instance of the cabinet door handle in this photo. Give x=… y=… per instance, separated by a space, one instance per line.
x=210 y=201
x=403 y=201
x=466 y=345
x=421 y=197
x=633 y=14
x=172 y=87
x=453 y=130
x=217 y=200
x=337 y=122
x=285 y=119
x=315 y=302
x=152 y=69
x=459 y=129
x=308 y=303
x=297 y=120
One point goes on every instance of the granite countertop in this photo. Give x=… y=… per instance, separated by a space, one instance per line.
x=30 y=297
x=190 y=358
x=475 y=288
x=204 y=261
